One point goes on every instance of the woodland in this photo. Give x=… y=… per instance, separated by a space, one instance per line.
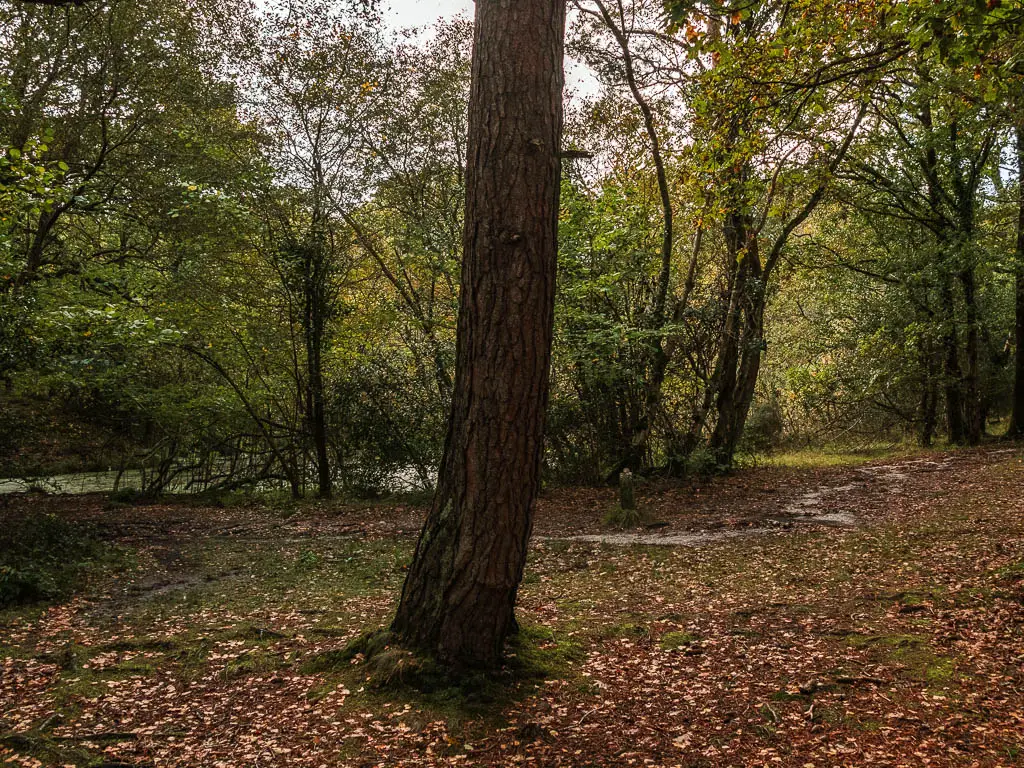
x=587 y=383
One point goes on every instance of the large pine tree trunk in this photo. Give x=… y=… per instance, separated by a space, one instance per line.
x=458 y=598
x=1017 y=417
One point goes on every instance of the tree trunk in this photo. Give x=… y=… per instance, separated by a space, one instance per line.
x=318 y=428
x=738 y=360
x=317 y=309
x=728 y=432
x=1017 y=417
x=952 y=375
x=929 y=394
x=458 y=598
x=973 y=422
x=657 y=358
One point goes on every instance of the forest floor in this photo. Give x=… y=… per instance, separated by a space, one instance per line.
x=866 y=615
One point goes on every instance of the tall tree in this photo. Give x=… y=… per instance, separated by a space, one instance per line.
x=458 y=598
x=1016 y=428
x=775 y=113
x=317 y=75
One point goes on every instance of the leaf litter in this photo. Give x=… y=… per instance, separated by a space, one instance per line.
x=894 y=639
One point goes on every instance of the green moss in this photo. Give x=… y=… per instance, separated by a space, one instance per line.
x=329 y=631
x=539 y=653
x=787 y=696
x=671 y=641
x=139 y=644
x=939 y=670
x=911 y=653
x=858 y=640
x=626 y=629
x=375 y=664
x=71 y=691
x=189 y=657
x=253 y=662
x=1011 y=572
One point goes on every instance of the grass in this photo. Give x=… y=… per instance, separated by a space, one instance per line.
x=256 y=578
x=672 y=641
x=841 y=456
x=380 y=677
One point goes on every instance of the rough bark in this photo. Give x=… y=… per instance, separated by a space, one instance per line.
x=458 y=598
x=740 y=351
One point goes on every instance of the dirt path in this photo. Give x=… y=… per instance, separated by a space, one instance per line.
x=832 y=503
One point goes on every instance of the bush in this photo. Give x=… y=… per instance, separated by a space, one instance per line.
x=126 y=496
x=44 y=557
x=764 y=427
x=703 y=463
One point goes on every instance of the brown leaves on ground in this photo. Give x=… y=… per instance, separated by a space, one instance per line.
x=899 y=642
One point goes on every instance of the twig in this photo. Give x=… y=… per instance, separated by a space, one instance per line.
x=586 y=715
x=854 y=680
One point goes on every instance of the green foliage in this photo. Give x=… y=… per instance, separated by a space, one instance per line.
x=44 y=557
x=764 y=428
x=210 y=289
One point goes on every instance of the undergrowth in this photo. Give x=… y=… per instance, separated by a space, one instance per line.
x=43 y=558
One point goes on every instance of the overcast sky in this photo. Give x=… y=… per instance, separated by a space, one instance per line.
x=419 y=13
x=415 y=13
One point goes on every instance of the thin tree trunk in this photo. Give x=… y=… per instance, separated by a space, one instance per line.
x=743 y=342
x=729 y=430
x=458 y=598
x=927 y=418
x=657 y=358
x=973 y=423
x=317 y=308
x=724 y=372
x=952 y=375
x=318 y=429
x=741 y=250
x=1016 y=429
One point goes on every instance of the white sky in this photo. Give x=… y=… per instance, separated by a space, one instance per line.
x=399 y=14
x=415 y=13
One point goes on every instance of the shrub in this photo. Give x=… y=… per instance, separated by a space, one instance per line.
x=43 y=557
